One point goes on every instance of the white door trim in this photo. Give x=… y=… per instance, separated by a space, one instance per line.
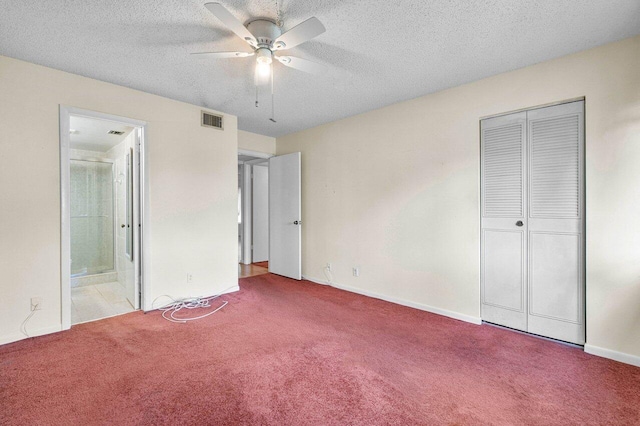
x=570 y=333
x=566 y=101
x=256 y=154
x=247 y=210
x=65 y=203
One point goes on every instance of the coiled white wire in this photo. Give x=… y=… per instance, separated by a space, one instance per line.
x=170 y=310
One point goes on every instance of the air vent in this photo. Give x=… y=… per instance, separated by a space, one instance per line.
x=115 y=132
x=211 y=120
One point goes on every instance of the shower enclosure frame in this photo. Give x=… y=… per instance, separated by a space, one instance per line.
x=89 y=159
x=141 y=208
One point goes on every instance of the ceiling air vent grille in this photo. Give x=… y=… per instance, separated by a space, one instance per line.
x=115 y=132
x=211 y=120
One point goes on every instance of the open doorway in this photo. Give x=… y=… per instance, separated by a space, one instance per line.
x=101 y=188
x=270 y=214
x=253 y=213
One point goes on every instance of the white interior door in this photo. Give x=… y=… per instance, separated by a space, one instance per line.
x=285 y=220
x=132 y=220
x=241 y=215
x=137 y=220
x=260 y=214
x=129 y=225
x=556 y=222
x=503 y=274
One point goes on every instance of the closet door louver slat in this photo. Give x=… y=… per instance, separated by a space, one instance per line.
x=502 y=166
x=555 y=168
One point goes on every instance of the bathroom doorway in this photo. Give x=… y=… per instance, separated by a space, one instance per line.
x=101 y=215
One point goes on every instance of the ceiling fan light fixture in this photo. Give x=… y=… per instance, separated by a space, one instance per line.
x=264 y=70
x=265 y=37
x=264 y=56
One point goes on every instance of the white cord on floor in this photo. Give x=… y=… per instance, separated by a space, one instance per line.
x=170 y=310
x=23 y=326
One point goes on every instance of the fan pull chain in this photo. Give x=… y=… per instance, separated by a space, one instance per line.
x=256 y=96
x=273 y=109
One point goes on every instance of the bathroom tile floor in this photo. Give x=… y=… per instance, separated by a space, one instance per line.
x=92 y=302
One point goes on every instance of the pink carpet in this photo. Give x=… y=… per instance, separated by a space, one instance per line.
x=296 y=353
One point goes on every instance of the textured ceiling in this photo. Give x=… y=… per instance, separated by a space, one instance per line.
x=377 y=52
x=93 y=135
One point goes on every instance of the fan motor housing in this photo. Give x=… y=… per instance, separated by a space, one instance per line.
x=264 y=31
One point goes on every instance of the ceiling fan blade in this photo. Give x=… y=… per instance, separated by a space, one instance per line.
x=302 y=32
x=302 y=64
x=231 y=22
x=223 y=55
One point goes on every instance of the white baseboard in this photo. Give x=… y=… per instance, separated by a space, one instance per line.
x=231 y=289
x=54 y=329
x=19 y=336
x=422 y=307
x=590 y=349
x=614 y=355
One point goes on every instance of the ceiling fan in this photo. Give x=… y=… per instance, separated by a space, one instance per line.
x=266 y=39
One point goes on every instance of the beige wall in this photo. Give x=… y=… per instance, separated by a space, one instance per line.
x=193 y=191
x=395 y=191
x=255 y=142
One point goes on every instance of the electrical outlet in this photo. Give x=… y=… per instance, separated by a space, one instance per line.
x=328 y=267
x=189 y=278
x=36 y=303
x=356 y=272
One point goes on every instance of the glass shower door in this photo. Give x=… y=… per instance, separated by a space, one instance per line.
x=92 y=226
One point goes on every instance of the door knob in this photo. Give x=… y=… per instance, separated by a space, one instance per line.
x=519 y=223
x=122 y=226
x=297 y=222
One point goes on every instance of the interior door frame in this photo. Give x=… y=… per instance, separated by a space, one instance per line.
x=584 y=207
x=65 y=113
x=246 y=185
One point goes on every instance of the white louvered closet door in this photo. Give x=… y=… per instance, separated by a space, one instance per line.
x=504 y=249
x=556 y=222
x=532 y=254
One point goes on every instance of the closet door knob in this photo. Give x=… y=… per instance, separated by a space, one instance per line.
x=122 y=226
x=519 y=223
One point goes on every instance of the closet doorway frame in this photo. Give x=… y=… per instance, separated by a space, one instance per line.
x=65 y=113
x=584 y=224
